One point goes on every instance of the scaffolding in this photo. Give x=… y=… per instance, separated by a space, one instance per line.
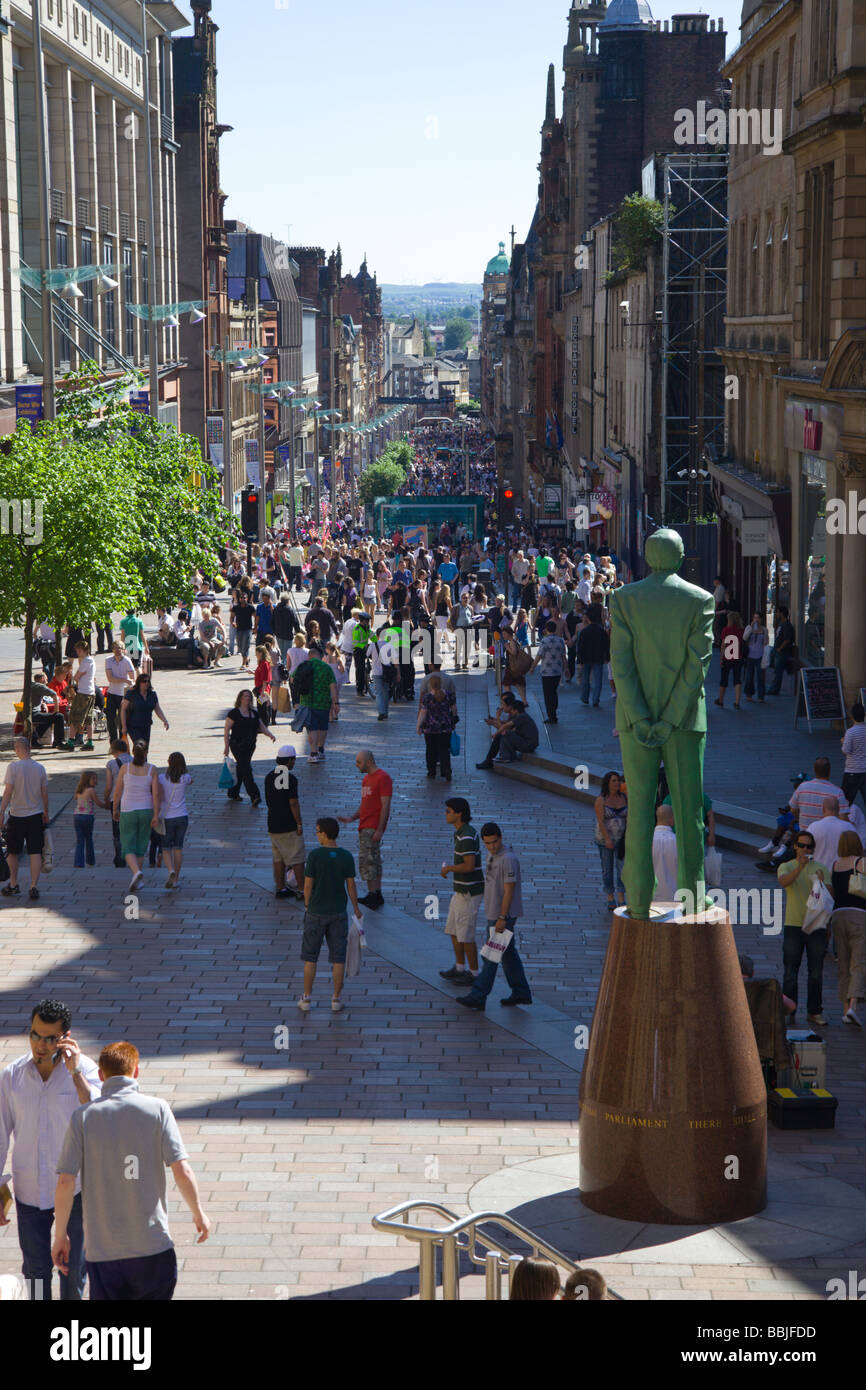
x=694 y=193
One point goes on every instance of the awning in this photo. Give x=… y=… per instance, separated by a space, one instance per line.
x=751 y=497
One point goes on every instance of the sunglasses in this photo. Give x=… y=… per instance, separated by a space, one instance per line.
x=803 y=844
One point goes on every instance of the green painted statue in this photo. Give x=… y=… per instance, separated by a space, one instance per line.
x=661 y=642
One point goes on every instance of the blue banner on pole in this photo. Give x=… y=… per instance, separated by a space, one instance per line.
x=140 y=402
x=28 y=403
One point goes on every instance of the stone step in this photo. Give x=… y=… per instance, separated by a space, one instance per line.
x=554 y=775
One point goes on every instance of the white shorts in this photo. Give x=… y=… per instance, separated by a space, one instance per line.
x=463 y=916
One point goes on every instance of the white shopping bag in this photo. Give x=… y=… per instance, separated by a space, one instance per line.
x=497 y=945
x=356 y=943
x=819 y=905
x=48 y=853
x=713 y=867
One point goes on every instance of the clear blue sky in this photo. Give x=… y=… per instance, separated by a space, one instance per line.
x=405 y=129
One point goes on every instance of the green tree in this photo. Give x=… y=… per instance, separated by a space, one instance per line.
x=637 y=226
x=384 y=478
x=428 y=343
x=469 y=312
x=457 y=333
x=106 y=510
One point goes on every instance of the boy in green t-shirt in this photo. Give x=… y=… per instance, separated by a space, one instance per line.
x=329 y=879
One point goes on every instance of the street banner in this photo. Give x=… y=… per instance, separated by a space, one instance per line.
x=251 y=455
x=140 y=402
x=215 y=427
x=28 y=403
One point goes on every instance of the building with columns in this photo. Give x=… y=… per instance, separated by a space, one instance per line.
x=97 y=180
x=795 y=338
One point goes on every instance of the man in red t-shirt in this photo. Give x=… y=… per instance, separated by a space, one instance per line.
x=372 y=815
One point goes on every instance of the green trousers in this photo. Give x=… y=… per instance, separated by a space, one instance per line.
x=683 y=757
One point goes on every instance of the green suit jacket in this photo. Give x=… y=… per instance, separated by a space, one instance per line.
x=661 y=642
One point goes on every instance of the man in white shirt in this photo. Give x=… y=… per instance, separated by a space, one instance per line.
x=120 y=674
x=854 y=748
x=584 y=589
x=81 y=706
x=39 y=1093
x=665 y=856
x=25 y=795
x=827 y=831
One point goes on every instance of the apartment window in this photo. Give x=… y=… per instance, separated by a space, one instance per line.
x=50 y=9
x=88 y=343
x=784 y=261
x=126 y=63
x=108 y=299
x=76 y=23
x=145 y=299
x=818 y=254
x=129 y=298
x=138 y=72
x=791 y=50
x=774 y=81
x=768 y=267
x=99 y=40
x=61 y=257
x=215 y=390
x=823 y=41
x=84 y=28
x=759 y=88
x=753 y=272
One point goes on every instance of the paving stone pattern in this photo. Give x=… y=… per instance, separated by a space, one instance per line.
x=403 y=1096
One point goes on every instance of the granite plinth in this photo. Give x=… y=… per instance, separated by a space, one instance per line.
x=673 y=1108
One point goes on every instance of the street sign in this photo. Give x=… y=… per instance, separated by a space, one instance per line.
x=819 y=695
x=140 y=402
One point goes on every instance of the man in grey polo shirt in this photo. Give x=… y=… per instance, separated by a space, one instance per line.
x=503 y=904
x=121 y=1145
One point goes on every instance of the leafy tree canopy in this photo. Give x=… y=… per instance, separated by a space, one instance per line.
x=457 y=333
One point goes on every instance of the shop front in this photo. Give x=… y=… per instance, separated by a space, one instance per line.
x=813 y=431
x=754 y=538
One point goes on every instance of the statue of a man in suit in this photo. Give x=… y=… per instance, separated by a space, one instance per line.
x=661 y=642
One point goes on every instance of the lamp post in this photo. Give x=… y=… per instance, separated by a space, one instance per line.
x=153 y=353
x=48 y=366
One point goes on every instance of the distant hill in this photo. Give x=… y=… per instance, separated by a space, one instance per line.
x=412 y=299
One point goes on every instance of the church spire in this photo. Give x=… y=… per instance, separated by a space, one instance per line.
x=550 y=111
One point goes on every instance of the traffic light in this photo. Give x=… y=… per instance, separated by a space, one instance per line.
x=507 y=509
x=250 y=512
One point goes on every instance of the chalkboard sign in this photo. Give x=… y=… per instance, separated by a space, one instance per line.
x=819 y=695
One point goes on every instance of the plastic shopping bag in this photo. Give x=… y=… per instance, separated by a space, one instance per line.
x=713 y=867
x=819 y=905
x=497 y=945
x=354 y=946
x=227 y=777
x=455 y=744
x=48 y=853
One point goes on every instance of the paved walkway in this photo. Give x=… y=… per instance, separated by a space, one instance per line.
x=403 y=1096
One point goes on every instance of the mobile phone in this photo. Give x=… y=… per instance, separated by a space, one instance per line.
x=56 y=1056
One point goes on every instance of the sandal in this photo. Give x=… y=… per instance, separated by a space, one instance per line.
x=720 y=703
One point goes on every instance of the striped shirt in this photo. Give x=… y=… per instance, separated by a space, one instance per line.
x=467 y=842
x=37 y=1113
x=808 y=800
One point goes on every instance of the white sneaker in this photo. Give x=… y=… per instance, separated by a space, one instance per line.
x=337 y=1006
x=851 y=1017
x=304 y=1003
x=768 y=848
x=169 y=882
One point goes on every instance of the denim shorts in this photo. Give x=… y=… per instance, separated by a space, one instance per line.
x=320 y=720
x=317 y=929
x=175 y=831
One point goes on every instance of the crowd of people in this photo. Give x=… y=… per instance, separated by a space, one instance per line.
x=441 y=454
x=317 y=615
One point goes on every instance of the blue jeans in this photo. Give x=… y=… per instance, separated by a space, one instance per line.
x=780 y=661
x=515 y=975
x=34 y=1237
x=143 y=1279
x=609 y=862
x=83 y=840
x=794 y=943
x=755 y=674
x=516 y=591
x=591 y=675
x=381 y=691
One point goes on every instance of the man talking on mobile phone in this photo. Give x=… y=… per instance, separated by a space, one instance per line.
x=39 y=1093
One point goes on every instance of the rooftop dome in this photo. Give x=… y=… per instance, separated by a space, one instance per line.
x=499 y=264
x=627 y=14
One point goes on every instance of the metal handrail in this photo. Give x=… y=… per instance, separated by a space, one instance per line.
x=495 y=1260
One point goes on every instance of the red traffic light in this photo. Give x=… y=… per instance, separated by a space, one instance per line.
x=508 y=494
